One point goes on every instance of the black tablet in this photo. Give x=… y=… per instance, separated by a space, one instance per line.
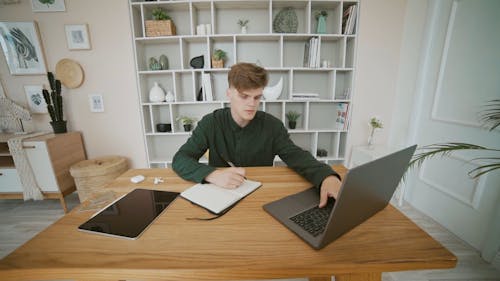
x=128 y=216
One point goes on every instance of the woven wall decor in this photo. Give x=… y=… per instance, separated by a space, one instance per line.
x=286 y=21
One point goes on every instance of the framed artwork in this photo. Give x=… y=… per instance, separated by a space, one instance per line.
x=21 y=47
x=96 y=103
x=36 y=103
x=77 y=36
x=48 y=6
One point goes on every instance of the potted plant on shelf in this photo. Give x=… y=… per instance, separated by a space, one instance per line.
x=218 y=58
x=160 y=25
x=243 y=25
x=187 y=122
x=292 y=117
x=55 y=104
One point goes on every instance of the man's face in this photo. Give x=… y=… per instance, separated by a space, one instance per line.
x=244 y=104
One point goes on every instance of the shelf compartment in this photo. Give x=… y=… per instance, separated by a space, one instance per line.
x=262 y=50
x=323 y=115
x=328 y=141
x=334 y=18
x=350 y=52
x=160 y=114
x=201 y=14
x=332 y=50
x=227 y=14
x=299 y=107
x=194 y=47
x=164 y=147
x=320 y=82
x=147 y=49
x=275 y=109
x=219 y=85
x=303 y=140
x=294 y=50
x=6 y=162
x=164 y=80
x=185 y=87
x=301 y=8
x=343 y=84
x=178 y=12
x=225 y=43
x=194 y=110
x=274 y=77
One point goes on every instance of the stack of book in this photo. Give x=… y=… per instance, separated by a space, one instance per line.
x=305 y=96
x=311 y=52
x=207 y=87
x=349 y=19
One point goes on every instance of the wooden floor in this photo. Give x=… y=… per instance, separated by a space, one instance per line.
x=20 y=221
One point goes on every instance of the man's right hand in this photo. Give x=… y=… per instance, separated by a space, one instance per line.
x=228 y=178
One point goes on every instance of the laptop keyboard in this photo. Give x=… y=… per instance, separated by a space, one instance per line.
x=314 y=220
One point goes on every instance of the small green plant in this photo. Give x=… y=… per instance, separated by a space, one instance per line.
x=54 y=98
x=322 y=13
x=160 y=14
x=219 y=54
x=242 y=23
x=186 y=120
x=376 y=123
x=292 y=115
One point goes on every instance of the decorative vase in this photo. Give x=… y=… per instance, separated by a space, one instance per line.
x=321 y=28
x=163 y=62
x=154 y=64
x=156 y=94
x=197 y=62
x=59 y=127
x=370 y=138
x=292 y=124
x=169 y=97
x=273 y=92
x=244 y=29
x=163 y=127
x=187 y=127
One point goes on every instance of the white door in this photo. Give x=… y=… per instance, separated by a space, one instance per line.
x=459 y=71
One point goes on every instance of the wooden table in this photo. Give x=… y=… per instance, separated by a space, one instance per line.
x=246 y=243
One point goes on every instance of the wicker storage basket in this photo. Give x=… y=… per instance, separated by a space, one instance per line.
x=160 y=28
x=91 y=175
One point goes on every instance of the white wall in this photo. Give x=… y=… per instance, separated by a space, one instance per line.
x=109 y=70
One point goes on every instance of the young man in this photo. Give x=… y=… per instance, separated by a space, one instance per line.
x=242 y=136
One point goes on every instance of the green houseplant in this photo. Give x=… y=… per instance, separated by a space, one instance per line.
x=292 y=117
x=243 y=23
x=490 y=118
x=187 y=122
x=218 y=58
x=55 y=104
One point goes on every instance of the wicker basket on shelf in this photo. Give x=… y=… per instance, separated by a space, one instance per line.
x=217 y=63
x=160 y=28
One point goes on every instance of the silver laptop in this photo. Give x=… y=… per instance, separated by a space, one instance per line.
x=365 y=190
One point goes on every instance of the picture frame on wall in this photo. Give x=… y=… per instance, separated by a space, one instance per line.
x=48 y=6
x=36 y=102
x=22 y=48
x=77 y=36
x=96 y=103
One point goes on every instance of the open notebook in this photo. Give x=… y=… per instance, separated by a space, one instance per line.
x=217 y=199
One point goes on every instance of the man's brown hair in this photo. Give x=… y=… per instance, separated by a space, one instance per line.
x=247 y=76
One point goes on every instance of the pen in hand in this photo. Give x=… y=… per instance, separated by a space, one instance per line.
x=234 y=166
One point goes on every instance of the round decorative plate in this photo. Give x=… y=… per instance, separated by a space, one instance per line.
x=70 y=73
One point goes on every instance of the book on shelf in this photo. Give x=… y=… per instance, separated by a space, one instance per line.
x=311 y=52
x=207 y=87
x=341 y=120
x=349 y=19
x=306 y=54
x=217 y=199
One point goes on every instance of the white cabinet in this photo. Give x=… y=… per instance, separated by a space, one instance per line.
x=50 y=157
x=282 y=54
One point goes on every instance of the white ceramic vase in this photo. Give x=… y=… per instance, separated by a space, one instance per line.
x=156 y=94
x=243 y=30
x=169 y=97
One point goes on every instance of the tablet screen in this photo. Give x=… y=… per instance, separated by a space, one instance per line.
x=130 y=215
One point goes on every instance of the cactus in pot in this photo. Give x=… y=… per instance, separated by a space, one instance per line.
x=55 y=104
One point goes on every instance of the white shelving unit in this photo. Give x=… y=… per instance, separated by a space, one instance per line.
x=281 y=54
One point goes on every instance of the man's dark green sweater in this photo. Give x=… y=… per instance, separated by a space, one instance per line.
x=254 y=145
